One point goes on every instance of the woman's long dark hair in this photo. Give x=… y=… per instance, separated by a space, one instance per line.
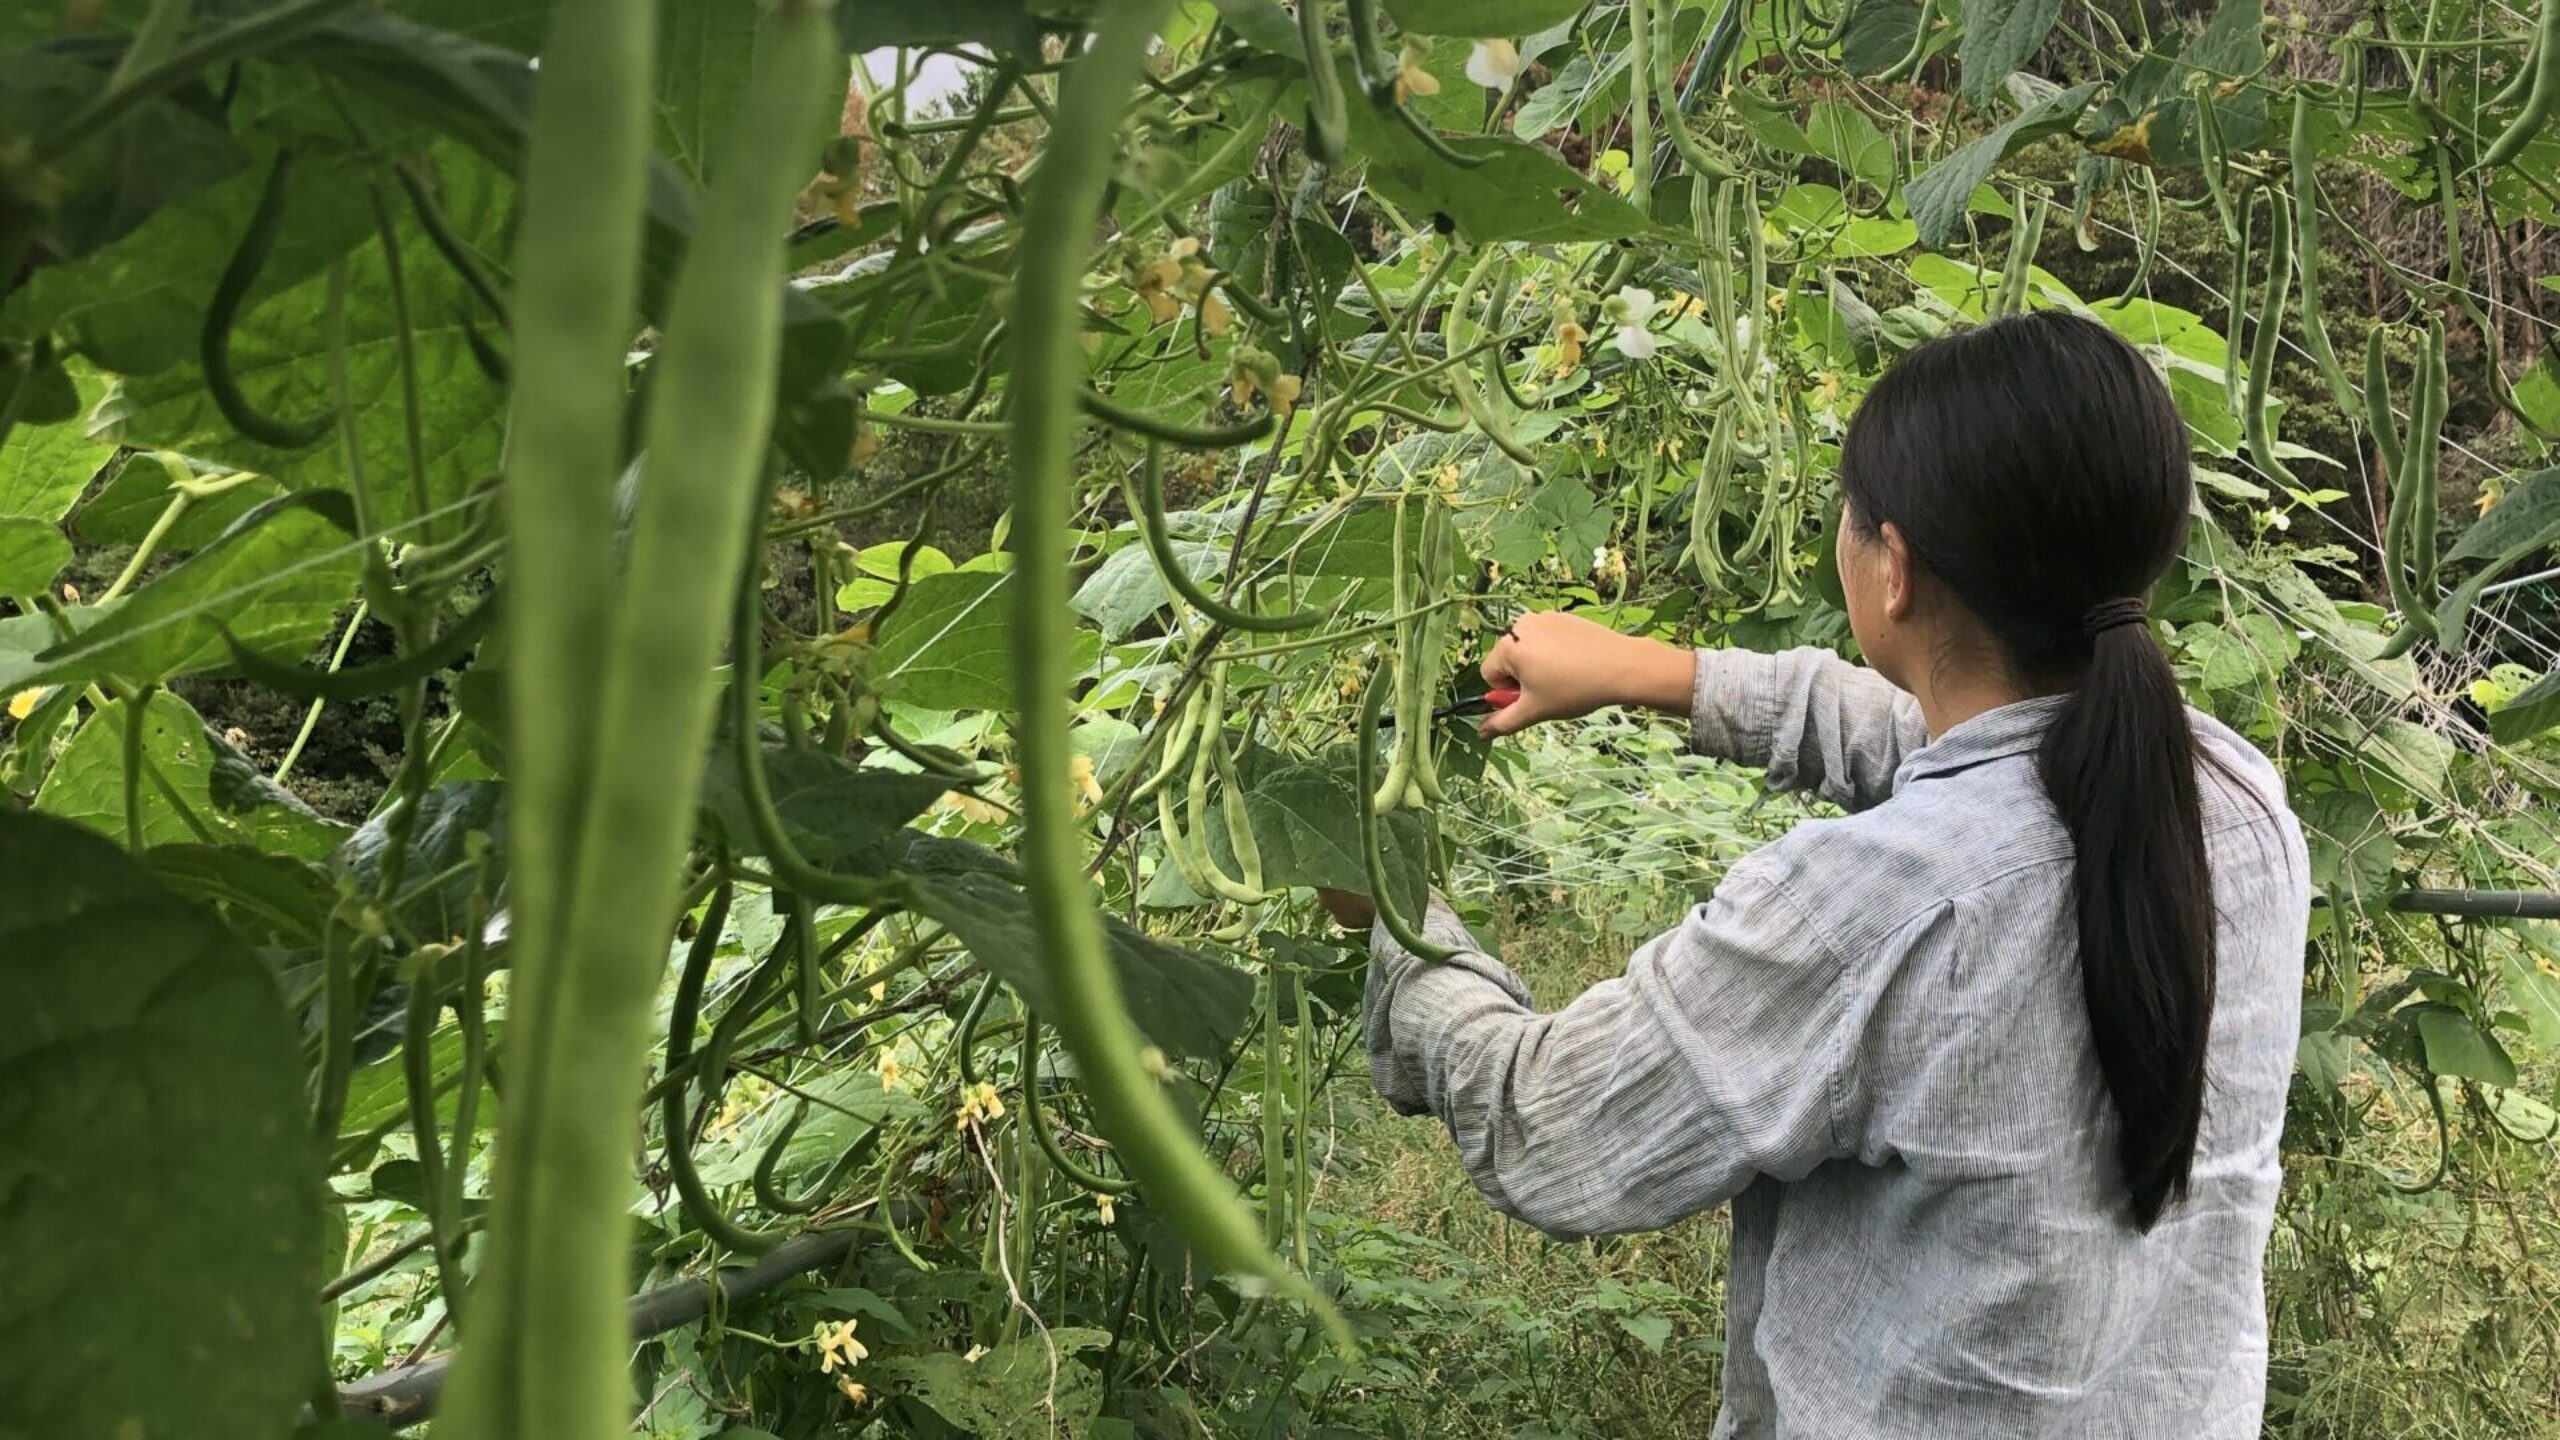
x=2038 y=468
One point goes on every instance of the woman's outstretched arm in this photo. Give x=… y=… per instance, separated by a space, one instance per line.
x=1721 y=1055
x=1810 y=719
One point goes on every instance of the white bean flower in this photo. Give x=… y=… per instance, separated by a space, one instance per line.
x=1627 y=311
x=1494 y=64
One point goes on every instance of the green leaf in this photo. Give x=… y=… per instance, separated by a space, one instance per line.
x=1561 y=514
x=1307 y=820
x=2457 y=1047
x=2351 y=844
x=2000 y=36
x=2529 y=714
x=1185 y=1003
x=274 y=580
x=32 y=552
x=1519 y=191
x=2527 y=520
x=454 y=823
x=43 y=468
x=1509 y=19
x=704 y=51
x=1125 y=588
x=182 y=766
x=1648 y=1328
x=946 y=646
x=266 y=899
x=280 y=353
x=163 y=1243
x=2535 y=991
x=1938 y=196
x=836 y=812
x=1036 y=1386
x=135 y=497
x=2231 y=46
x=1558 y=104
x=1879 y=35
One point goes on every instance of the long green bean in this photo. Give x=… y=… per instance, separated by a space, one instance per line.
x=1151 y=1138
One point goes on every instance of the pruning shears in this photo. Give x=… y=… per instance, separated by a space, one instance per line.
x=1483 y=704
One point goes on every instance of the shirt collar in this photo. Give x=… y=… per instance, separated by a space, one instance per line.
x=2003 y=731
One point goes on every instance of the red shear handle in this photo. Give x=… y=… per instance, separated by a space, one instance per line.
x=1502 y=699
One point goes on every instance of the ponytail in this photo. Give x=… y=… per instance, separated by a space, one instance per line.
x=2038 y=467
x=2119 y=764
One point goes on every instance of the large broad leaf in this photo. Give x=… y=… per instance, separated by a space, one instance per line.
x=482 y=95
x=137 y=306
x=1878 y=36
x=163 y=1242
x=456 y=829
x=1518 y=191
x=946 y=646
x=1186 y=1004
x=2527 y=520
x=2351 y=844
x=2455 y=1046
x=2529 y=714
x=281 y=355
x=32 y=552
x=43 y=468
x=1509 y=19
x=273 y=581
x=833 y=810
x=1306 y=818
x=191 y=789
x=1127 y=588
x=1999 y=36
x=1036 y=1386
x=136 y=498
x=1938 y=196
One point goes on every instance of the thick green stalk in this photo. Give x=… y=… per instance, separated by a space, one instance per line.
x=1153 y=1142
x=562 y=1364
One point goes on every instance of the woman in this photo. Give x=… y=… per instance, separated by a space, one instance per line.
x=1992 y=1069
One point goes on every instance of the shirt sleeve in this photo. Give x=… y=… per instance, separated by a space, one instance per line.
x=1810 y=719
x=1719 y=1056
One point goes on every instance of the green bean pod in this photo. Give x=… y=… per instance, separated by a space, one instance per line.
x=222 y=312
x=1153 y=1141
x=2426 y=454
x=2306 y=259
x=605 y=785
x=1146 y=509
x=1038 y=1124
x=1372 y=850
x=675 y=1121
x=2541 y=98
x=1328 y=117
x=2262 y=343
x=2377 y=402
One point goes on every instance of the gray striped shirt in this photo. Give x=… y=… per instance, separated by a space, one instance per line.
x=1871 y=1040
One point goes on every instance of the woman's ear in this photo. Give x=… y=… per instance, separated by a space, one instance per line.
x=1901 y=577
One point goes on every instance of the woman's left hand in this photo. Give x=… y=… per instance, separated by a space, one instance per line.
x=1350 y=911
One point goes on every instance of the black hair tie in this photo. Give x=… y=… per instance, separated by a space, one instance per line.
x=2107 y=615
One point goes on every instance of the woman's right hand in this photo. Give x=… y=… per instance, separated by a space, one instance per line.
x=1565 y=666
